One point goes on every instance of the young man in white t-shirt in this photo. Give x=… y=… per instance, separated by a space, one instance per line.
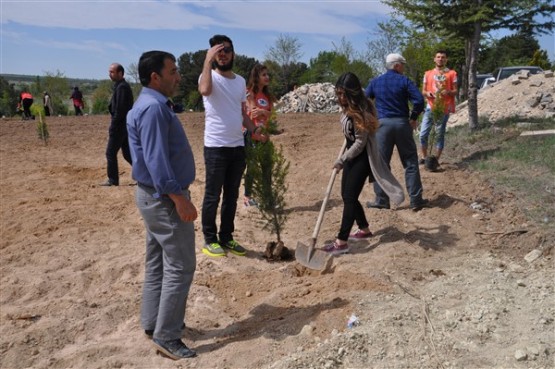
x=224 y=96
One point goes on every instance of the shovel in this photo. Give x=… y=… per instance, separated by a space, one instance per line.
x=306 y=255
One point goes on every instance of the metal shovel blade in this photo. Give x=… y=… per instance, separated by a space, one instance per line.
x=310 y=258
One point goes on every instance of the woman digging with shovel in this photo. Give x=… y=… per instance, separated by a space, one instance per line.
x=360 y=161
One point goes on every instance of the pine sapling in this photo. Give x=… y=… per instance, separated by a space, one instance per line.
x=269 y=171
x=438 y=113
x=42 y=130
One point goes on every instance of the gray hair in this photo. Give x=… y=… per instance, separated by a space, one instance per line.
x=391 y=65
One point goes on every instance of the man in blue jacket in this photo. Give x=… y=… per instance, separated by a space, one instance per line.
x=392 y=92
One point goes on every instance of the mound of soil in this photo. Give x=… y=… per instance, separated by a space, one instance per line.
x=466 y=283
x=519 y=95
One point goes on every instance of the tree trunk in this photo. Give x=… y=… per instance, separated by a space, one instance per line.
x=472 y=57
x=465 y=68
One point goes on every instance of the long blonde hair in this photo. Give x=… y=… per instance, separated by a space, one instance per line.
x=359 y=108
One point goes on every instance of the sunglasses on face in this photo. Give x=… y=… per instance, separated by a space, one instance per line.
x=226 y=49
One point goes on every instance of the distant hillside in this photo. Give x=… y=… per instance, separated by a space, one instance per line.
x=23 y=79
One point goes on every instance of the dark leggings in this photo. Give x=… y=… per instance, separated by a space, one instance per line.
x=355 y=174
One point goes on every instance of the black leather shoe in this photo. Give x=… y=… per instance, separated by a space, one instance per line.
x=174 y=349
x=375 y=205
x=108 y=183
x=150 y=332
x=420 y=204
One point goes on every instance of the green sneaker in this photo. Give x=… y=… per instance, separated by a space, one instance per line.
x=235 y=248
x=213 y=249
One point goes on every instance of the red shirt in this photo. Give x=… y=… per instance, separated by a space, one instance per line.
x=261 y=101
x=435 y=80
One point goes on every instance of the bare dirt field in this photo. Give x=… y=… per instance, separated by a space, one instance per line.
x=446 y=287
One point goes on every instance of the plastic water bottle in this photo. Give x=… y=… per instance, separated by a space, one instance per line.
x=353 y=320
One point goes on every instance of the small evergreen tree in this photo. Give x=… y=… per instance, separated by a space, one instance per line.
x=269 y=170
x=42 y=129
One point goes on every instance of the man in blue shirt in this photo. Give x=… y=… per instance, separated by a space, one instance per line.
x=392 y=92
x=164 y=167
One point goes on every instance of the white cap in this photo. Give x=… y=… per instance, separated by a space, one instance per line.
x=395 y=58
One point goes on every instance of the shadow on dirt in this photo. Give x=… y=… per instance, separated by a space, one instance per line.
x=445 y=201
x=332 y=203
x=265 y=320
x=435 y=238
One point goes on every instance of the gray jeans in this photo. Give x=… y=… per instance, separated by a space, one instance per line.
x=170 y=264
x=396 y=132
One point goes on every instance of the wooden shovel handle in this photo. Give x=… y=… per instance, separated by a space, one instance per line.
x=326 y=197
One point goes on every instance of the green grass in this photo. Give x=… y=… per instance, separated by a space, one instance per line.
x=521 y=165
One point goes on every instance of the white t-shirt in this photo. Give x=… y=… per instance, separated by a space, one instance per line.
x=223 y=111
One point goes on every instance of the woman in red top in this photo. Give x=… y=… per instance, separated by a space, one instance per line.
x=259 y=109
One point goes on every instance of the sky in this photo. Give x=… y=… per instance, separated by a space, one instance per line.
x=81 y=38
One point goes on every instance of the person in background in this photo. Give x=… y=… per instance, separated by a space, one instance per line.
x=164 y=167
x=392 y=92
x=25 y=101
x=78 y=103
x=360 y=161
x=259 y=109
x=120 y=104
x=224 y=96
x=438 y=81
x=47 y=103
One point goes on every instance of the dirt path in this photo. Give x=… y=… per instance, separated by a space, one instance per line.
x=447 y=287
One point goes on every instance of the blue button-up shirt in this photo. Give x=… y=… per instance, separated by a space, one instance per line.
x=162 y=156
x=392 y=91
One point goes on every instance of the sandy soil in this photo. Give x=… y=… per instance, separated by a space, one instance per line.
x=446 y=287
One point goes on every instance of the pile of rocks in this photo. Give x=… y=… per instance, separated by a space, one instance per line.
x=522 y=95
x=309 y=98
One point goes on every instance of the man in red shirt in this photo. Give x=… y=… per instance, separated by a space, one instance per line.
x=439 y=86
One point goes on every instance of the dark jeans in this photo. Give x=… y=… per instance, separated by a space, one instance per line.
x=397 y=132
x=26 y=104
x=77 y=110
x=355 y=174
x=116 y=141
x=224 y=170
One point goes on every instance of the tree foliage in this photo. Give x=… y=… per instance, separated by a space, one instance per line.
x=320 y=68
x=517 y=49
x=284 y=79
x=269 y=170
x=57 y=86
x=8 y=98
x=243 y=65
x=468 y=20
x=541 y=60
x=388 y=38
x=132 y=72
x=282 y=60
x=285 y=51
x=190 y=68
x=101 y=97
